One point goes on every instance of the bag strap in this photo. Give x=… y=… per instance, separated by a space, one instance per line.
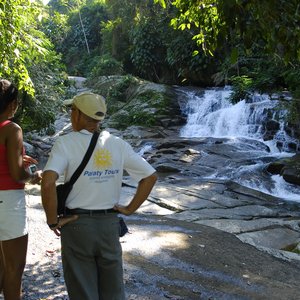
x=86 y=158
x=2 y=124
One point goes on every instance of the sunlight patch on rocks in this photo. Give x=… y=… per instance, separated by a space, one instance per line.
x=149 y=244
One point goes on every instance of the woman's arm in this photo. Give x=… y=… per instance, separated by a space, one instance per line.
x=14 y=145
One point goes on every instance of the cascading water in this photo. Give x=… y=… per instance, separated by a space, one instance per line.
x=210 y=114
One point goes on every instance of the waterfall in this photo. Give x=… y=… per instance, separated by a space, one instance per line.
x=145 y=148
x=210 y=113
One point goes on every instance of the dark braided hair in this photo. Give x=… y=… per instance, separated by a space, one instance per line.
x=8 y=93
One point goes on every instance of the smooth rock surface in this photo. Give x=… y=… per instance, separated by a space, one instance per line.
x=165 y=258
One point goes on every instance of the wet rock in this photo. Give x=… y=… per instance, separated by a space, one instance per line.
x=276 y=238
x=192 y=152
x=272 y=125
x=30 y=150
x=288 y=168
x=139 y=132
x=167 y=168
x=275 y=167
x=292 y=175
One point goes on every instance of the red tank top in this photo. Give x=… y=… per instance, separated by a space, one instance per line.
x=6 y=181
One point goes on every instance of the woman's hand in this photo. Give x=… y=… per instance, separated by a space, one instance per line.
x=37 y=175
x=28 y=160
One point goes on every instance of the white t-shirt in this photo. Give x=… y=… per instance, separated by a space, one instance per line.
x=99 y=185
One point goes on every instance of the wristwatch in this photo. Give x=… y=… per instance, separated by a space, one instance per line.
x=51 y=226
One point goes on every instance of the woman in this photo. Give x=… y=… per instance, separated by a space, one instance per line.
x=13 y=175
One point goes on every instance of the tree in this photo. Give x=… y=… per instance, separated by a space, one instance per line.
x=77 y=32
x=20 y=42
x=28 y=59
x=272 y=25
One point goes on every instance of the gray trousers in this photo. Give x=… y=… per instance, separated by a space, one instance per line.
x=92 y=258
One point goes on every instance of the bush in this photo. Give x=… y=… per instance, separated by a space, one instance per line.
x=105 y=66
x=39 y=113
x=241 y=86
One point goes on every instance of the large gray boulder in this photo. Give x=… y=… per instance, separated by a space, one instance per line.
x=132 y=101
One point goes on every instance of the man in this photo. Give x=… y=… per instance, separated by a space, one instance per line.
x=91 y=251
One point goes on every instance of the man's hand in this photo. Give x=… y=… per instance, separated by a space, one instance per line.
x=63 y=221
x=122 y=210
x=143 y=190
x=37 y=177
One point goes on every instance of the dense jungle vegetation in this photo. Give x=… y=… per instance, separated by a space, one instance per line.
x=252 y=45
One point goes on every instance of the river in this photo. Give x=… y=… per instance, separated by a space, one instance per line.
x=210 y=114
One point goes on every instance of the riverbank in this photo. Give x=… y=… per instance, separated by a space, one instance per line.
x=166 y=258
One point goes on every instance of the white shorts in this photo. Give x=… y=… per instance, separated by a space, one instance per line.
x=13 y=217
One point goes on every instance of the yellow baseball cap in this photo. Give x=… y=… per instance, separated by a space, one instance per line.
x=90 y=104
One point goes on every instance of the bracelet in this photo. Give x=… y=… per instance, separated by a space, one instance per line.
x=51 y=226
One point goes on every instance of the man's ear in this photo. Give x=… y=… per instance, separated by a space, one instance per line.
x=79 y=115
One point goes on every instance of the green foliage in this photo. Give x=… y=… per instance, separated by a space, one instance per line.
x=266 y=73
x=28 y=59
x=20 y=43
x=50 y=82
x=146 y=47
x=78 y=30
x=202 y=15
x=134 y=32
x=255 y=45
x=116 y=30
x=143 y=109
x=108 y=30
x=241 y=88
x=180 y=56
x=293 y=112
x=138 y=34
x=292 y=79
x=63 y=6
x=132 y=101
x=55 y=27
x=106 y=65
x=256 y=22
x=120 y=92
x=138 y=111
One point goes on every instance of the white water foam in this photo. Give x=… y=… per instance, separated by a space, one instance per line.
x=285 y=190
x=211 y=114
x=145 y=148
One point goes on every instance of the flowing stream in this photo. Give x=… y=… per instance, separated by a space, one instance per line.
x=210 y=114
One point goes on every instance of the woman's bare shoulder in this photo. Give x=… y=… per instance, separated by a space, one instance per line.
x=10 y=131
x=13 y=132
x=13 y=128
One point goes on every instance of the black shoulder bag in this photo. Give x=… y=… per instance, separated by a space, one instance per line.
x=63 y=190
